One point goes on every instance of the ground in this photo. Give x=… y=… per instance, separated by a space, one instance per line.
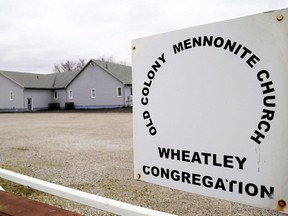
x=92 y=152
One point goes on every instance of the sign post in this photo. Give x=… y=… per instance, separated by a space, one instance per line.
x=211 y=110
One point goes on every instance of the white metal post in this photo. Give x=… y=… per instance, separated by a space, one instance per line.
x=113 y=206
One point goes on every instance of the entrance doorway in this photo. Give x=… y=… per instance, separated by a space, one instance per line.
x=29 y=104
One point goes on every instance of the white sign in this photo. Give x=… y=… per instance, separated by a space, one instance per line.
x=211 y=110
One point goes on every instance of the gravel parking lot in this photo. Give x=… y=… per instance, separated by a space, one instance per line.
x=92 y=152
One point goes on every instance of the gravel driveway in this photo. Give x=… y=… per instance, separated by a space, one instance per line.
x=92 y=152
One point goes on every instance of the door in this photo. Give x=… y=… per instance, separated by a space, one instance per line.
x=29 y=104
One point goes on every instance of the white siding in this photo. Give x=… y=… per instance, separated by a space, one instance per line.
x=7 y=88
x=61 y=97
x=128 y=94
x=105 y=85
x=40 y=98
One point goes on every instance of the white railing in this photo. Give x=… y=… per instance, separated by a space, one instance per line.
x=105 y=204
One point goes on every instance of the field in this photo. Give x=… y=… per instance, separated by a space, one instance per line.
x=92 y=152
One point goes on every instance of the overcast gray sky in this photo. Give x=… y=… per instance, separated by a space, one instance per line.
x=37 y=34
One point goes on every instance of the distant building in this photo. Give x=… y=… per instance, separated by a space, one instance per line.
x=98 y=85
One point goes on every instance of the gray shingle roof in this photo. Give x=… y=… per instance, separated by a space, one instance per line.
x=61 y=80
x=29 y=80
x=120 y=72
x=40 y=81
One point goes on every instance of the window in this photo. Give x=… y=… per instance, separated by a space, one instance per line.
x=55 y=95
x=93 y=93
x=119 y=92
x=70 y=94
x=131 y=92
x=11 y=95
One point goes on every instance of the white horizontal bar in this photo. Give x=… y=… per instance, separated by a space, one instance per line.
x=91 y=200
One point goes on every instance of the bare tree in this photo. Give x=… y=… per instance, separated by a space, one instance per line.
x=69 y=66
x=110 y=59
x=57 y=68
x=81 y=63
x=107 y=59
